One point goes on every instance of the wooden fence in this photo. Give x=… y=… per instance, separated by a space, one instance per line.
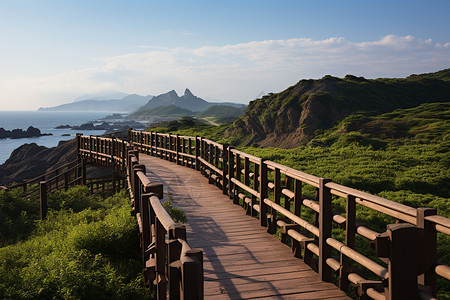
x=407 y=266
x=170 y=263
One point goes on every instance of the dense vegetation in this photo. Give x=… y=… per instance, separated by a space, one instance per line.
x=88 y=248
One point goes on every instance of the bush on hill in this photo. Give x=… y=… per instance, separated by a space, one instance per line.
x=86 y=250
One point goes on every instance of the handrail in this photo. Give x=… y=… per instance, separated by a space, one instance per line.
x=273 y=193
x=41 y=177
x=184 y=277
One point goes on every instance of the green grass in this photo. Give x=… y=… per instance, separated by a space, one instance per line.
x=84 y=250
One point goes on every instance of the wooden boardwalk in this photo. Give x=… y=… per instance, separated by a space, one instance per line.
x=241 y=260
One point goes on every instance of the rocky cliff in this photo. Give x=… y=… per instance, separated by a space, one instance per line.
x=30 y=160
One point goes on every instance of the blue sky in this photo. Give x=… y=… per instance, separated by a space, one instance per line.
x=54 y=51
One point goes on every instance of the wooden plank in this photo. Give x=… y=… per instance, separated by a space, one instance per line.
x=241 y=260
x=274 y=288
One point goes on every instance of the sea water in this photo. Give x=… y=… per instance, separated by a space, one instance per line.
x=46 y=122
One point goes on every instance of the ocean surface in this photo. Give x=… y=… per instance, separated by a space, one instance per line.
x=46 y=122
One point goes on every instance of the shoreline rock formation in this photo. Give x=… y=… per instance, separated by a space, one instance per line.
x=19 y=133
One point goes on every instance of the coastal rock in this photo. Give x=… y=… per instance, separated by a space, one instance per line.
x=19 y=133
x=30 y=160
x=63 y=127
x=86 y=126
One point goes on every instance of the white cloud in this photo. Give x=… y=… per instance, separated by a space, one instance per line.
x=236 y=72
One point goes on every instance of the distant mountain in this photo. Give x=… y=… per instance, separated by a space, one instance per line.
x=295 y=116
x=103 y=95
x=187 y=101
x=125 y=105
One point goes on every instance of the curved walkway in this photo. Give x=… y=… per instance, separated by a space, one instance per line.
x=241 y=260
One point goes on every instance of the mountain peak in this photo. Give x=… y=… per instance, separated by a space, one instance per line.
x=187 y=101
x=172 y=93
x=188 y=93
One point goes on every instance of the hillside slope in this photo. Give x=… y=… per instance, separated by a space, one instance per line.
x=293 y=117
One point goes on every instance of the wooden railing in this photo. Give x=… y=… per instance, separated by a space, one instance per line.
x=60 y=178
x=405 y=257
x=170 y=263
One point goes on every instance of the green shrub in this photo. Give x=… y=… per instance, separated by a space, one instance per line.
x=91 y=254
x=17 y=216
x=177 y=214
x=76 y=198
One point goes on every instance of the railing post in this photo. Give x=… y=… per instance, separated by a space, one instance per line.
x=83 y=171
x=141 y=141
x=238 y=176
x=197 y=152
x=230 y=172
x=325 y=224
x=113 y=152
x=192 y=274
x=43 y=199
x=296 y=246
x=137 y=188
x=225 y=169
x=263 y=192
x=429 y=249
x=161 y=282
x=256 y=170
x=173 y=259
x=145 y=215
x=403 y=261
x=78 y=139
x=350 y=232
x=151 y=142
x=177 y=149
x=248 y=207
x=130 y=138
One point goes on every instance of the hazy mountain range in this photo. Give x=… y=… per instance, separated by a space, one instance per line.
x=136 y=103
x=126 y=104
x=187 y=101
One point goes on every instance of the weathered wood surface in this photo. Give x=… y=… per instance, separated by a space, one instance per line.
x=241 y=260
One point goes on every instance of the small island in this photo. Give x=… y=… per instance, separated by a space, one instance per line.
x=110 y=127
x=19 y=133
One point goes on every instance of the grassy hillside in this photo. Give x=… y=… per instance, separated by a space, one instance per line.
x=292 y=117
x=88 y=248
x=221 y=113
